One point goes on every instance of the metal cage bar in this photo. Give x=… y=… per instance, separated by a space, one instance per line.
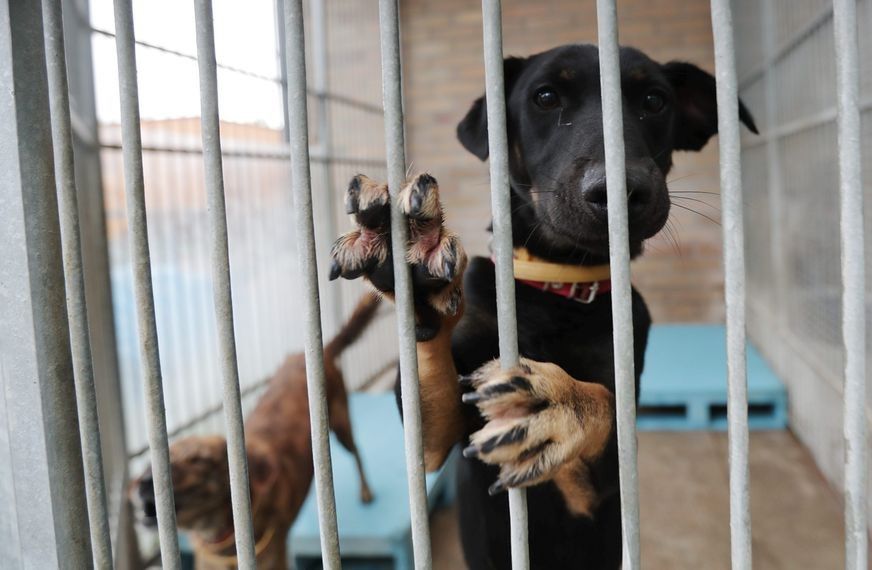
x=131 y=137
x=325 y=148
x=734 y=281
x=221 y=284
x=80 y=344
x=42 y=488
x=501 y=206
x=853 y=282
x=389 y=32
x=301 y=185
x=619 y=258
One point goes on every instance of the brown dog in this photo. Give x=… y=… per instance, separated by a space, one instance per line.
x=278 y=442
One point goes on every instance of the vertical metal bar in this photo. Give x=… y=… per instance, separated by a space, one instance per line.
x=775 y=177
x=131 y=138
x=501 y=206
x=392 y=88
x=301 y=183
x=853 y=283
x=86 y=397
x=221 y=286
x=734 y=280
x=283 y=63
x=42 y=487
x=619 y=258
x=321 y=83
x=98 y=288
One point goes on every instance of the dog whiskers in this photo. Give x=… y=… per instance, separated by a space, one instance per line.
x=672 y=236
x=674 y=192
x=709 y=218
x=530 y=236
x=682 y=177
x=709 y=204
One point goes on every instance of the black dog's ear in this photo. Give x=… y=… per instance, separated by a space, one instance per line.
x=697 y=106
x=472 y=130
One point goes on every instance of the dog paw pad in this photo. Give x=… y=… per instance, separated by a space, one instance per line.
x=534 y=420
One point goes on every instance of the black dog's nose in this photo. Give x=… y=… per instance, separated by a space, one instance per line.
x=639 y=190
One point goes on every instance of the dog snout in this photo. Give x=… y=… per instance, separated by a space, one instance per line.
x=149 y=509
x=146 y=500
x=640 y=189
x=146 y=487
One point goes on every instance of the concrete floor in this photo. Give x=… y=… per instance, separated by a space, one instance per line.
x=796 y=517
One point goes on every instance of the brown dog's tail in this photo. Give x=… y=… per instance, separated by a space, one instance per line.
x=354 y=326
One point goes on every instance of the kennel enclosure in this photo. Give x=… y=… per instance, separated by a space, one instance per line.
x=44 y=288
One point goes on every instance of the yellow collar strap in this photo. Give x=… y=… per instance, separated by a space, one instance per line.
x=532 y=268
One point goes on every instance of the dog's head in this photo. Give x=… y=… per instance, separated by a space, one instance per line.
x=556 y=150
x=201 y=484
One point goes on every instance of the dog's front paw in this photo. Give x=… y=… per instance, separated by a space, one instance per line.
x=435 y=255
x=538 y=418
x=367 y=247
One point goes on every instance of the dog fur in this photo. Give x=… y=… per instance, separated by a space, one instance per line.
x=279 y=449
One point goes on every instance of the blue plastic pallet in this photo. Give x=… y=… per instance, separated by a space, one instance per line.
x=377 y=536
x=684 y=384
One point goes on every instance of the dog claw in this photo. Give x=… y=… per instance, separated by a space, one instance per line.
x=470 y=452
x=471 y=397
x=465 y=381
x=335 y=270
x=416 y=200
x=351 y=205
x=497 y=488
x=448 y=270
x=514 y=435
x=521 y=383
x=352 y=196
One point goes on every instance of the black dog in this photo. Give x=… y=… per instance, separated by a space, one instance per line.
x=549 y=424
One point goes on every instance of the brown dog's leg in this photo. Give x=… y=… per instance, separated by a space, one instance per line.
x=340 y=424
x=438 y=261
x=366 y=495
x=347 y=441
x=443 y=422
x=434 y=247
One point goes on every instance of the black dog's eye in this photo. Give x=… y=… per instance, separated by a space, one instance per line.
x=547 y=98
x=654 y=102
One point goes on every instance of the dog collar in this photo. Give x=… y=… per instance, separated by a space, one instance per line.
x=222 y=540
x=579 y=283
x=584 y=293
x=210 y=552
x=531 y=268
x=211 y=548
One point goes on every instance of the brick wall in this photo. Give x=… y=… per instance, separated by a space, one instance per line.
x=443 y=66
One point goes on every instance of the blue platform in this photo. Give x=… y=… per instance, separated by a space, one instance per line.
x=684 y=383
x=377 y=535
